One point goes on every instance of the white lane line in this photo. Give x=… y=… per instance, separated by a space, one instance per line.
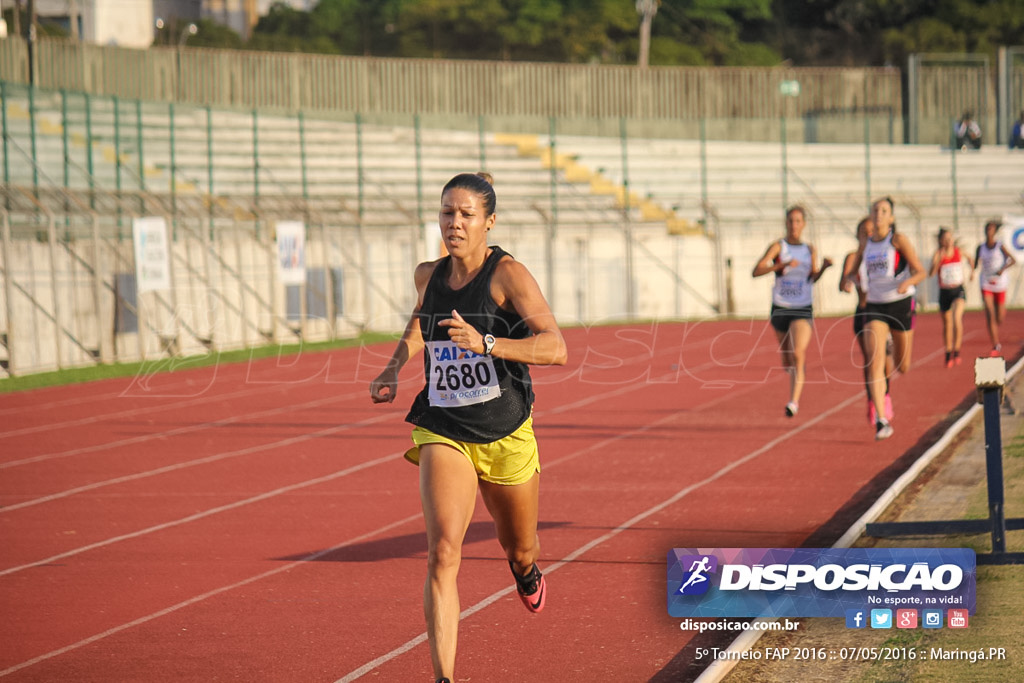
x=625 y=388
x=240 y=370
x=189 y=428
x=130 y=412
x=176 y=467
x=206 y=513
x=209 y=594
x=177 y=431
x=206 y=398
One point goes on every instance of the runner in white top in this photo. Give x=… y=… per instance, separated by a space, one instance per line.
x=992 y=259
x=794 y=264
x=857 y=280
x=893 y=270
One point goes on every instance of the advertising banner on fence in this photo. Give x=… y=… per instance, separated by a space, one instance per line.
x=1013 y=238
x=152 y=254
x=817 y=582
x=291 y=252
x=1013 y=235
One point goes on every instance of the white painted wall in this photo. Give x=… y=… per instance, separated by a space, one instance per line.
x=126 y=23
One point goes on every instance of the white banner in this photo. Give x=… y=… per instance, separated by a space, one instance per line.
x=152 y=254
x=291 y=252
x=432 y=241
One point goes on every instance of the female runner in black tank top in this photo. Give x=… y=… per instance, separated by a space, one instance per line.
x=498 y=320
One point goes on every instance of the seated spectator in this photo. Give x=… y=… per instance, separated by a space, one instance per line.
x=967 y=132
x=1017 y=134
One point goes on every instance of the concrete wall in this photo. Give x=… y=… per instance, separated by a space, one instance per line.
x=227 y=295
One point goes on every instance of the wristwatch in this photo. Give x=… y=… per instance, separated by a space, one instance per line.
x=489 y=344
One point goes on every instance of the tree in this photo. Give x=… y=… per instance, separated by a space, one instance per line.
x=211 y=34
x=684 y=32
x=722 y=32
x=285 y=29
x=529 y=27
x=358 y=27
x=457 y=29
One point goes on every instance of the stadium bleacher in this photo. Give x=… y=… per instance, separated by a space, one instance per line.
x=574 y=206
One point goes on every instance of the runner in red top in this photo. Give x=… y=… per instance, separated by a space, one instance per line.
x=953 y=269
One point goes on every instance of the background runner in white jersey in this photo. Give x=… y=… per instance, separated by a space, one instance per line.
x=893 y=271
x=794 y=264
x=991 y=260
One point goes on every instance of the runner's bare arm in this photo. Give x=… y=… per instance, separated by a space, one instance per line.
x=768 y=264
x=858 y=257
x=846 y=282
x=514 y=288
x=917 y=272
x=1008 y=258
x=816 y=273
x=384 y=387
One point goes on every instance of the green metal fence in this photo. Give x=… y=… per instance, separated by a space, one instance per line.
x=616 y=222
x=294 y=82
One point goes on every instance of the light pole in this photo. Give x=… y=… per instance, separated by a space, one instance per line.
x=647 y=10
x=190 y=29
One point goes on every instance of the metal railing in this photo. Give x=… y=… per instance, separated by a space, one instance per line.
x=619 y=226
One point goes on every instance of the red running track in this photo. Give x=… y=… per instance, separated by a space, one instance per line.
x=257 y=522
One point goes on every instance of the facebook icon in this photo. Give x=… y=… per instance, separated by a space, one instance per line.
x=855 y=618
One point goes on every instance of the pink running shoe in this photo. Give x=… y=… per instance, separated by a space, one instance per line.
x=532 y=588
x=889 y=412
x=872 y=413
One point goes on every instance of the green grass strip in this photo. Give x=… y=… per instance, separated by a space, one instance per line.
x=112 y=370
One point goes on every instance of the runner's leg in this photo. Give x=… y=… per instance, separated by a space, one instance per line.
x=448 y=486
x=800 y=332
x=515 y=510
x=876 y=332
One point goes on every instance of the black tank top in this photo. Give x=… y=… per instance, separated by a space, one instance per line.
x=468 y=397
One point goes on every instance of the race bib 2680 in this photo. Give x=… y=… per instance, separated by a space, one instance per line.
x=459 y=377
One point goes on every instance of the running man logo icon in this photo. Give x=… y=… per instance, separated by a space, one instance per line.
x=695 y=581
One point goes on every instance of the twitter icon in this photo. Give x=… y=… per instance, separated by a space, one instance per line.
x=881 y=618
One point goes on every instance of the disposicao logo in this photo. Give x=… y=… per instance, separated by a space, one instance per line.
x=696 y=580
x=809 y=582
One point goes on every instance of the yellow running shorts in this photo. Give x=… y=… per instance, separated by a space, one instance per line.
x=508 y=461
